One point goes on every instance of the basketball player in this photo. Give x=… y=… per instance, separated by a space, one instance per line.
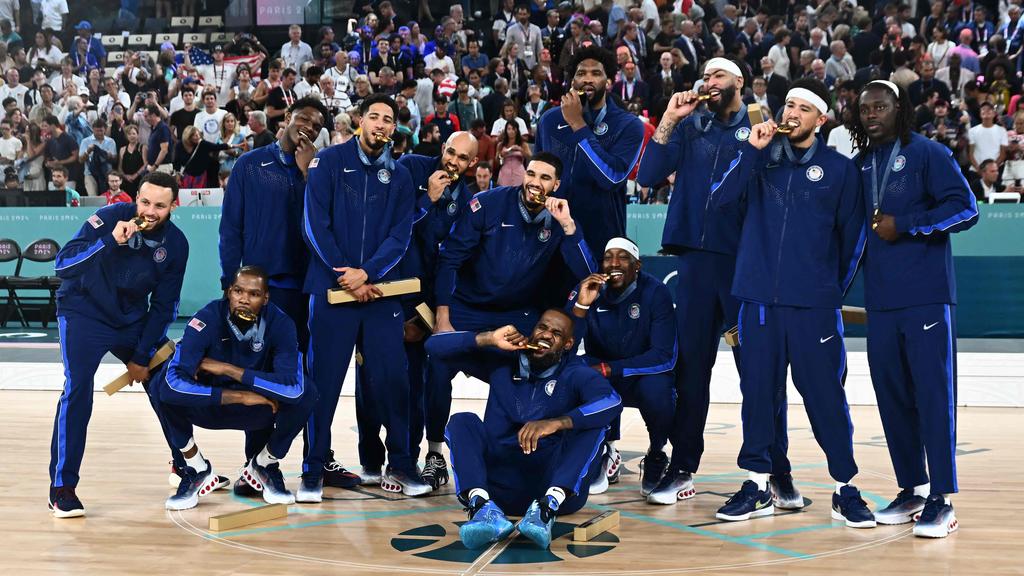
x=261 y=225
x=237 y=367
x=802 y=238
x=916 y=196
x=535 y=453
x=122 y=275
x=358 y=222
x=631 y=341
x=698 y=147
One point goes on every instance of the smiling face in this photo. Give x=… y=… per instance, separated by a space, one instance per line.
x=621 y=268
x=539 y=182
x=553 y=335
x=727 y=87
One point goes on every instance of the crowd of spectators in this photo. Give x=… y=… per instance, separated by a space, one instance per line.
x=73 y=119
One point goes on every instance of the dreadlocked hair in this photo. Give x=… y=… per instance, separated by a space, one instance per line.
x=904 y=117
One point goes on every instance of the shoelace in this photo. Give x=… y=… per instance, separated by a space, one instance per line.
x=275 y=477
x=188 y=478
x=904 y=496
x=748 y=489
x=433 y=465
x=335 y=466
x=931 y=510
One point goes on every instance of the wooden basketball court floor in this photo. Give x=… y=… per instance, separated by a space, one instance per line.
x=366 y=531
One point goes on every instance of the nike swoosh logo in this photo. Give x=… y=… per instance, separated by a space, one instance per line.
x=760 y=505
x=823 y=340
x=503 y=225
x=930 y=326
x=395 y=315
x=423 y=188
x=602 y=309
x=560 y=126
x=865 y=168
x=346 y=170
x=266 y=163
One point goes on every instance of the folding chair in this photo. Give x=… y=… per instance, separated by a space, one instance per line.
x=41 y=251
x=9 y=252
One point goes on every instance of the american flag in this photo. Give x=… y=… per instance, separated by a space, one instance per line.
x=200 y=57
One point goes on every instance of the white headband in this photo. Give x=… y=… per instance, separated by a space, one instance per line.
x=723 y=64
x=623 y=244
x=805 y=94
x=888 y=85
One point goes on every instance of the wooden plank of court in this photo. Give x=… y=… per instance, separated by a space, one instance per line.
x=126 y=529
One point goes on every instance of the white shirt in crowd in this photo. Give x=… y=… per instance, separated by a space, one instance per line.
x=10 y=148
x=295 y=56
x=7 y=8
x=18 y=93
x=209 y=124
x=499 y=127
x=106 y=102
x=780 y=57
x=52 y=11
x=431 y=61
x=59 y=83
x=220 y=78
x=986 y=141
x=842 y=141
x=343 y=81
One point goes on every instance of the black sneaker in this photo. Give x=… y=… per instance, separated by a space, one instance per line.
x=905 y=508
x=652 y=468
x=174 y=478
x=675 y=485
x=435 y=470
x=748 y=503
x=335 y=475
x=785 y=494
x=64 y=503
x=937 y=520
x=849 y=506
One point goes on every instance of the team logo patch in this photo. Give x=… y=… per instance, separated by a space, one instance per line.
x=900 y=163
x=452 y=208
x=549 y=388
x=544 y=235
x=256 y=345
x=742 y=134
x=384 y=176
x=601 y=129
x=314 y=162
x=634 y=311
x=160 y=254
x=474 y=205
x=815 y=173
x=197 y=324
x=95 y=221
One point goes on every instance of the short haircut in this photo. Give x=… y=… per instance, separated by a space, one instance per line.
x=163 y=180
x=549 y=158
x=564 y=314
x=59 y=169
x=986 y=164
x=99 y=123
x=51 y=120
x=485 y=165
x=310 y=102
x=378 y=98
x=154 y=110
x=254 y=272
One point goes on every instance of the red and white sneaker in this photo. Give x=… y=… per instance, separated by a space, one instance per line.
x=193 y=485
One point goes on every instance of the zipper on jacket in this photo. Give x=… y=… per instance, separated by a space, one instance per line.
x=707 y=203
x=782 y=238
x=362 y=243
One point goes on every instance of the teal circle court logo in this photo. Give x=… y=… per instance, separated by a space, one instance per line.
x=438 y=542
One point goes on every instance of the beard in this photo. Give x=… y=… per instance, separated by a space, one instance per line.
x=725 y=98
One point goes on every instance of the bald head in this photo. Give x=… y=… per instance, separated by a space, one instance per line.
x=459 y=153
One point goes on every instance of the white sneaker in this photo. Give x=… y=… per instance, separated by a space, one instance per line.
x=311 y=490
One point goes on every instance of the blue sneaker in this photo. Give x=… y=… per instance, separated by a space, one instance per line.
x=905 y=508
x=849 y=506
x=937 y=520
x=487 y=524
x=269 y=480
x=748 y=503
x=537 y=522
x=193 y=485
x=64 y=503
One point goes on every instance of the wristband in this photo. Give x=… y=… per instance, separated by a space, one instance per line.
x=581 y=306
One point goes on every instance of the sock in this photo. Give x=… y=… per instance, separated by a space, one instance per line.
x=923 y=490
x=611 y=444
x=839 y=486
x=188 y=447
x=265 y=458
x=555 y=497
x=945 y=499
x=197 y=462
x=760 y=479
x=479 y=492
x=435 y=447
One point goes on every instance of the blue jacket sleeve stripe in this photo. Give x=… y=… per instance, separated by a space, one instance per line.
x=962 y=216
x=182 y=385
x=312 y=237
x=858 y=253
x=65 y=263
x=601 y=404
x=587 y=257
x=606 y=170
x=284 y=390
x=397 y=259
x=663 y=367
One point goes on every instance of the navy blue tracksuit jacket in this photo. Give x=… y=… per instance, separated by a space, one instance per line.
x=487 y=454
x=803 y=235
x=910 y=294
x=596 y=162
x=113 y=298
